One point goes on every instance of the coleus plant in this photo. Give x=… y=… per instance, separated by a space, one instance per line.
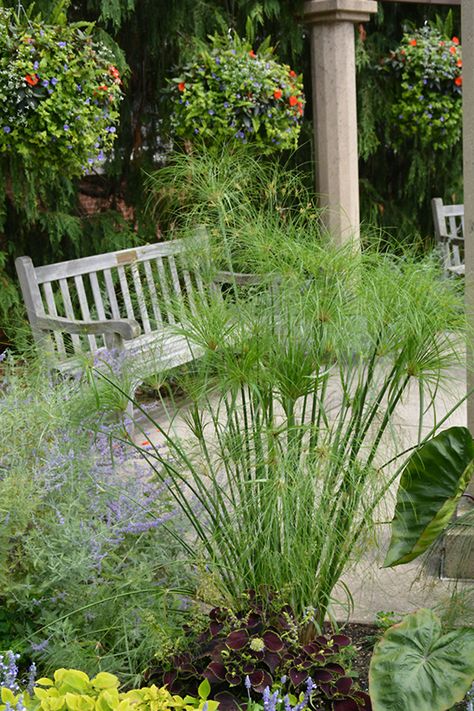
x=260 y=647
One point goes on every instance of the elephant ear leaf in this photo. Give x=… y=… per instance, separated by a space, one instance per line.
x=416 y=666
x=433 y=480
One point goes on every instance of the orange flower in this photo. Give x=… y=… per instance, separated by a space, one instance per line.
x=441 y=44
x=277 y=93
x=412 y=42
x=459 y=63
x=458 y=81
x=292 y=74
x=455 y=40
x=32 y=79
x=452 y=49
x=114 y=72
x=293 y=100
x=102 y=87
x=182 y=86
x=252 y=53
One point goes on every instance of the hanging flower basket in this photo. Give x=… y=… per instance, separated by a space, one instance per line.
x=428 y=66
x=231 y=93
x=59 y=95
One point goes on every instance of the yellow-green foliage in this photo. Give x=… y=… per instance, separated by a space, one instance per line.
x=72 y=690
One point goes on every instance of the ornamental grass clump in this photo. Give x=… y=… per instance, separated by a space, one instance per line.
x=428 y=66
x=59 y=95
x=229 y=93
x=293 y=409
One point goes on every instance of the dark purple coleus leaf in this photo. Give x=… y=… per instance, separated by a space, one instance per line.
x=227 y=702
x=237 y=640
x=341 y=639
x=248 y=668
x=215 y=627
x=365 y=703
x=253 y=620
x=332 y=666
x=346 y=705
x=169 y=678
x=233 y=679
x=272 y=660
x=344 y=684
x=273 y=641
x=215 y=671
x=321 y=675
x=260 y=679
x=298 y=676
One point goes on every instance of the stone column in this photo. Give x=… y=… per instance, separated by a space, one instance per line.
x=467 y=24
x=335 y=110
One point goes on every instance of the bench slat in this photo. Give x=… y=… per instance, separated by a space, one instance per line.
x=152 y=292
x=112 y=296
x=52 y=310
x=140 y=298
x=164 y=289
x=125 y=292
x=84 y=306
x=69 y=310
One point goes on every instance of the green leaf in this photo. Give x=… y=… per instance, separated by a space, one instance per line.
x=204 y=689
x=104 y=680
x=434 y=479
x=415 y=667
x=7 y=696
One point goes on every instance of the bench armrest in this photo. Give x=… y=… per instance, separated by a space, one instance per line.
x=127 y=328
x=457 y=241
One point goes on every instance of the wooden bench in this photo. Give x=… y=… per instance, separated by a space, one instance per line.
x=449 y=235
x=129 y=301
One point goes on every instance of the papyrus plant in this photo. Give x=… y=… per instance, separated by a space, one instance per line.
x=292 y=411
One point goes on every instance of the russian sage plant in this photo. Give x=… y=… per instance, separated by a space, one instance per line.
x=84 y=556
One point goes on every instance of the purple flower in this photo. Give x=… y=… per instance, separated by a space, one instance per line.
x=45 y=82
x=66 y=127
x=211 y=112
x=101 y=155
x=36 y=66
x=6 y=129
x=226 y=104
x=40 y=646
x=54 y=81
x=62 y=44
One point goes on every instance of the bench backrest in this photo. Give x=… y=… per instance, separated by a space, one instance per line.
x=449 y=233
x=144 y=283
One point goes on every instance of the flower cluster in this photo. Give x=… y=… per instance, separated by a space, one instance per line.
x=231 y=93
x=59 y=95
x=429 y=105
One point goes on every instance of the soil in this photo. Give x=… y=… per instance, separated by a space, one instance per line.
x=363 y=639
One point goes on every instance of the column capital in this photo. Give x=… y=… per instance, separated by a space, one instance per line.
x=316 y=11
